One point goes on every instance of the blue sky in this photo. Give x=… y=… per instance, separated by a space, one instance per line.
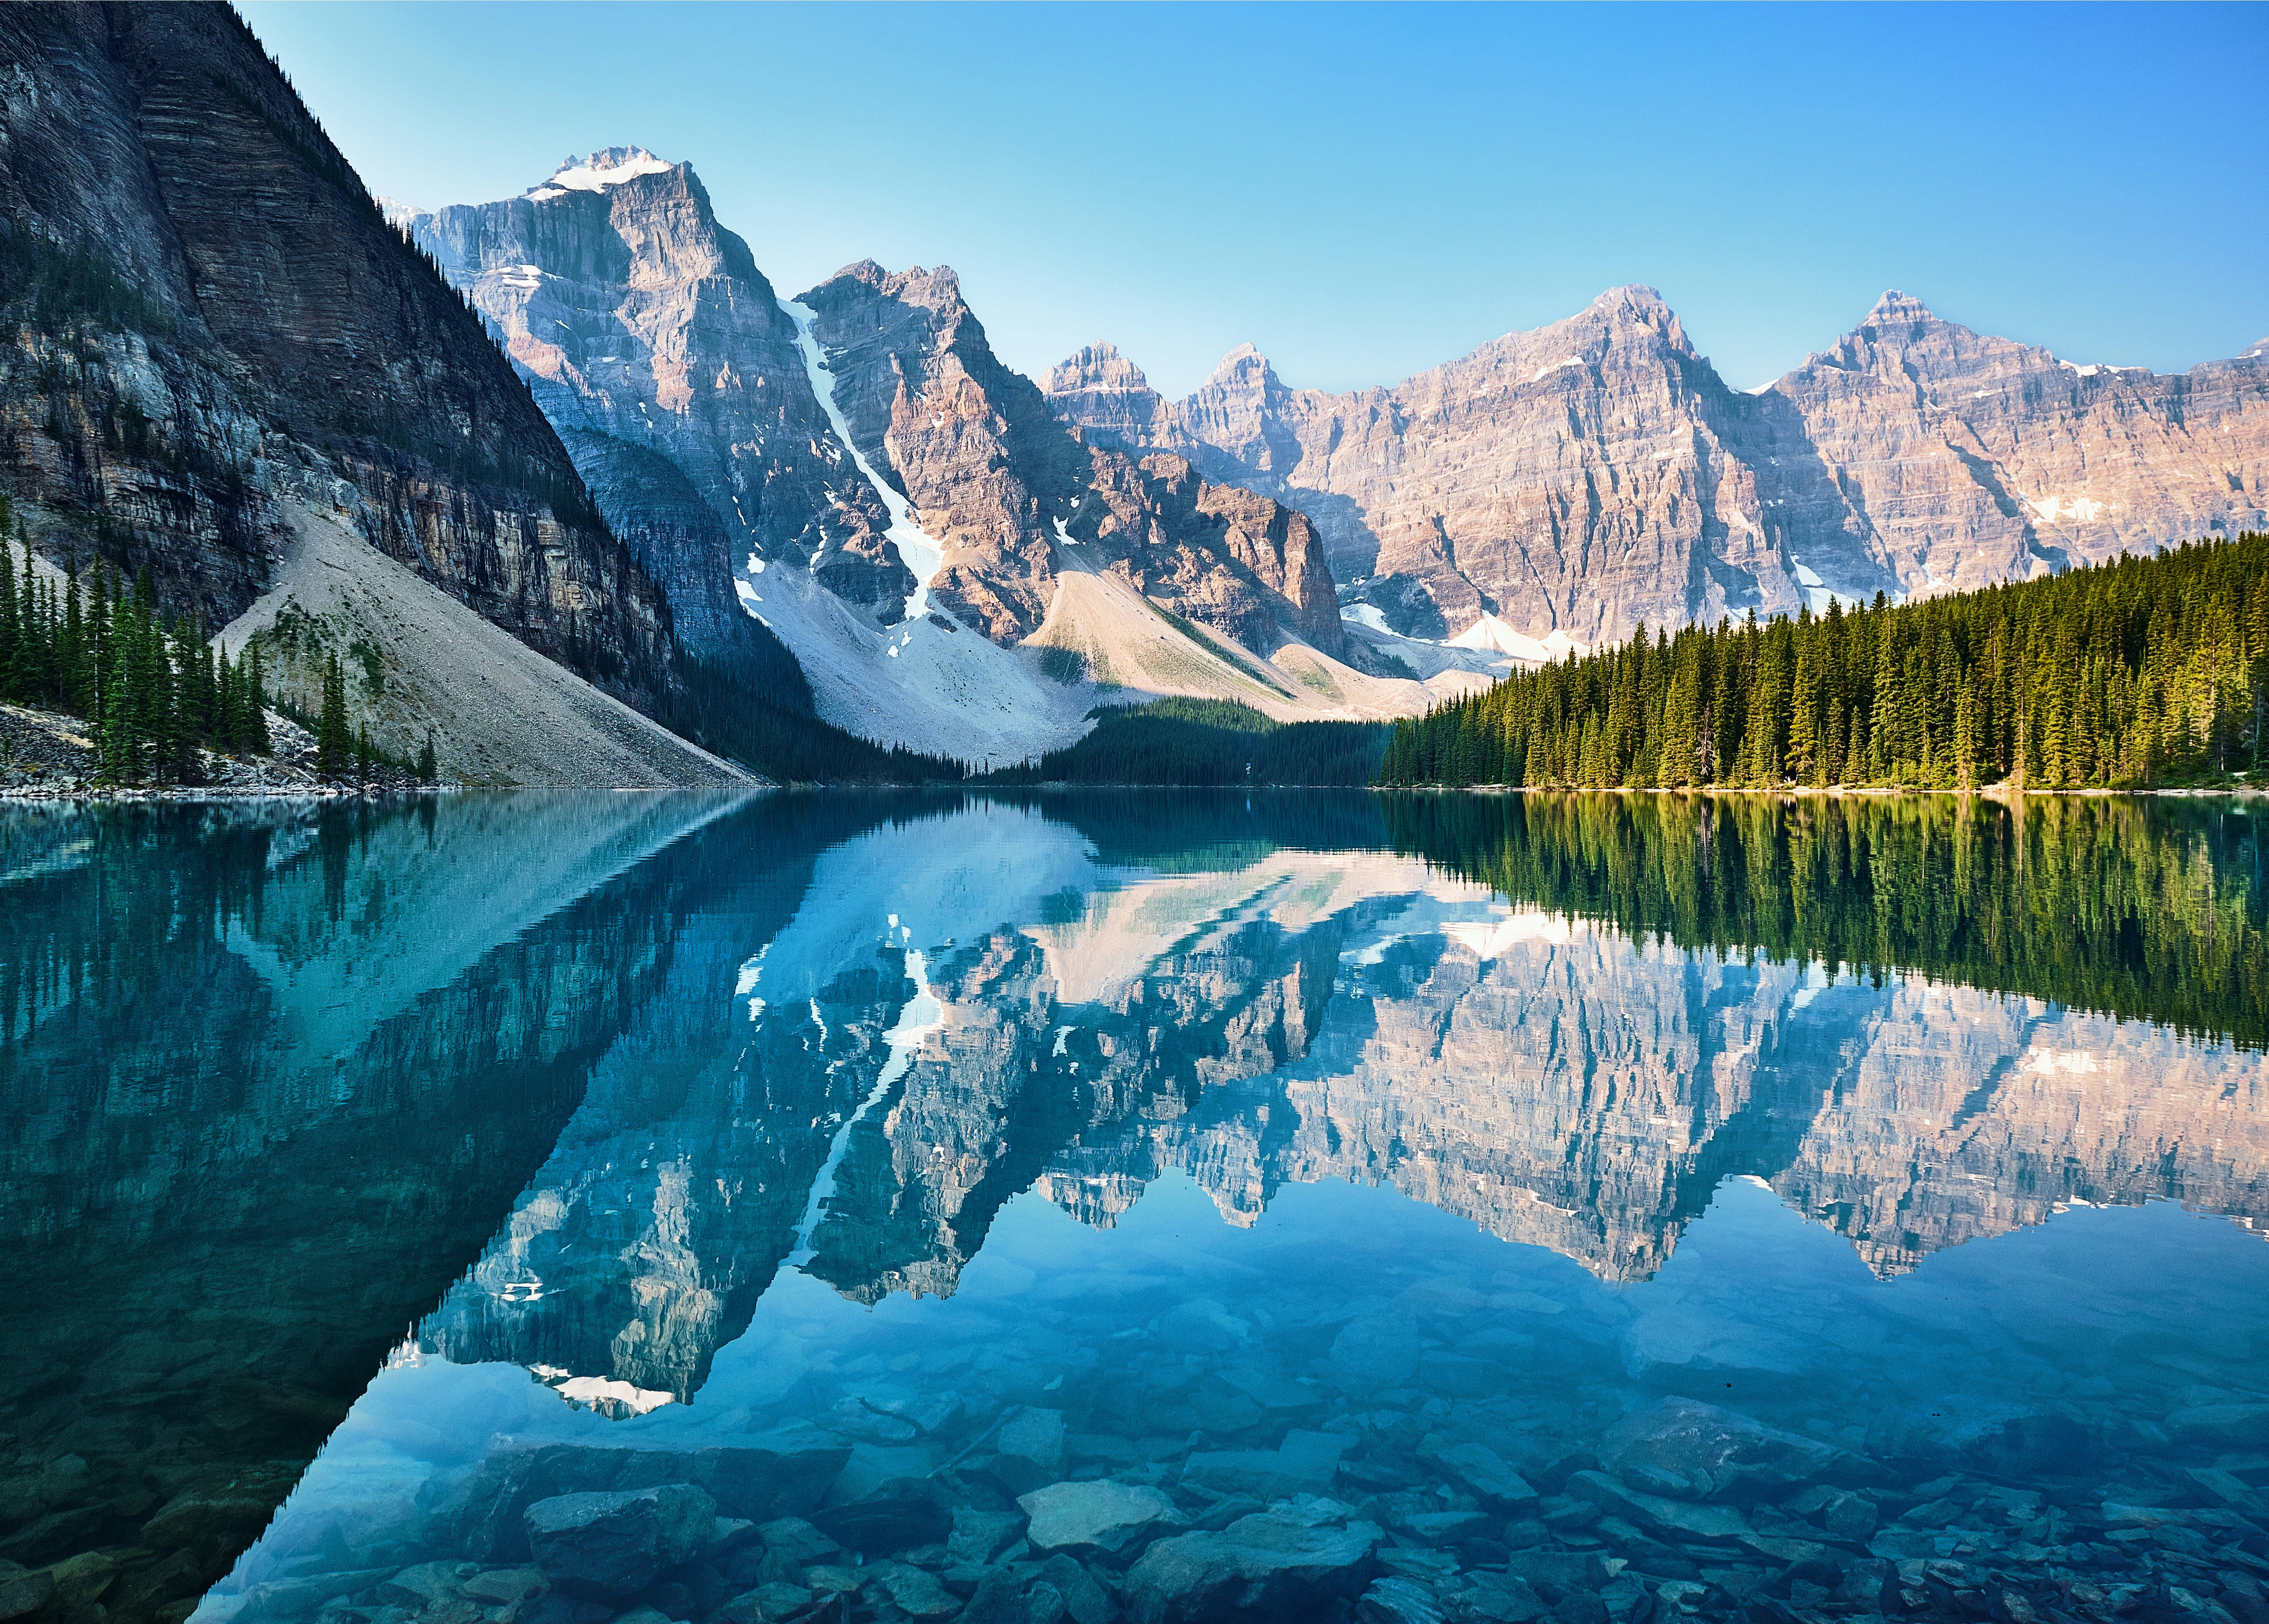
x=1365 y=192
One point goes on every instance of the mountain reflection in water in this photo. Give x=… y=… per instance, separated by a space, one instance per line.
x=584 y=1068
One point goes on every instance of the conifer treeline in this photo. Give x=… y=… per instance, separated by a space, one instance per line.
x=151 y=688
x=2136 y=672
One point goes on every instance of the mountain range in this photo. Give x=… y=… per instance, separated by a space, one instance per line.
x=1598 y=472
x=567 y=483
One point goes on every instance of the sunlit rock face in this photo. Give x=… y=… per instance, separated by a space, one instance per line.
x=1597 y=472
x=995 y=478
x=644 y=327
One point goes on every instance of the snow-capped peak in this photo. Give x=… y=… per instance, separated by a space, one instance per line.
x=398 y=214
x=610 y=167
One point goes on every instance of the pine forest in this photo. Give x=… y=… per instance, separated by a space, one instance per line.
x=2139 y=672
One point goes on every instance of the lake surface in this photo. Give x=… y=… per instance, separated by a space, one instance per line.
x=543 y=1209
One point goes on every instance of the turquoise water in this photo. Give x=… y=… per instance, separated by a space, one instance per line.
x=1305 y=1206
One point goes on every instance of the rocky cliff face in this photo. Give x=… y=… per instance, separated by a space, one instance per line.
x=209 y=321
x=993 y=476
x=637 y=318
x=855 y=472
x=1597 y=472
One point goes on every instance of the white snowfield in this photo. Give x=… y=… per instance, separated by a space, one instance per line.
x=611 y=167
x=1490 y=633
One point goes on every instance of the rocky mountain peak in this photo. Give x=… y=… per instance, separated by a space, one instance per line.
x=1105 y=393
x=1096 y=366
x=609 y=166
x=1245 y=366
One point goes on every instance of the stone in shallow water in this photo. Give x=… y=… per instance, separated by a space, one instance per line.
x=612 y=1544
x=1697 y=1451
x=1305 y=1462
x=1484 y=1471
x=1502 y=1599
x=1265 y=1565
x=1098 y=1513
x=1086 y=1600
x=898 y=1515
x=1374 y=1353
x=502 y=1587
x=1676 y=1519
x=1034 y=1434
x=427 y=1584
x=978 y=1537
x=913 y=1592
x=1398 y=1601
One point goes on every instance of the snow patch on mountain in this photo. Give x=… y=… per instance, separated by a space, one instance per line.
x=945 y=690
x=920 y=554
x=1488 y=631
x=610 y=167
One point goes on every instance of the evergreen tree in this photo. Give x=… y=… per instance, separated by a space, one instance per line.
x=332 y=743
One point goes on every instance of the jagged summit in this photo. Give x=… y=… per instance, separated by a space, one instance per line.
x=609 y=166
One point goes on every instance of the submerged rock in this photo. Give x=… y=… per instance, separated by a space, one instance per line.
x=1265 y=1565
x=1693 y=1450
x=612 y=1544
x=1101 y=1513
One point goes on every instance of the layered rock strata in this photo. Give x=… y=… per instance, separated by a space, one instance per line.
x=210 y=321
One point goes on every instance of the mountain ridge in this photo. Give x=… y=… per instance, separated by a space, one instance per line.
x=1596 y=472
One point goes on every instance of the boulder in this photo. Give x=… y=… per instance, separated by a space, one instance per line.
x=1398 y=1601
x=1484 y=1471
x=1373 y=1353
x=1305 y=1462
x=1502 y=1598
x=612 y=1543
x=1098 y=1513
x=897 y=1515
x=1036 y=1435
x=1085 y=1601
x=1674 y=1519
x=1688 y=1449
x=978 y=1537
x=1265 y=1565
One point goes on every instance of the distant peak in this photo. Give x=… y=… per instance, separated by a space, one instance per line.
x=2258 y=352
x=1897 y=307
x=1244 y=362
x=398 y=214
x=1098 y=366
x=609 y=166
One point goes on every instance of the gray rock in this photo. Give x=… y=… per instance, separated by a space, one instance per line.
x=2222 y=1426
x=1373 y=1353
x=1034 y=1434
x=1484 y=1471
x=1305 y=1462
x=1398 y=1601
x=1098 y=1513
x=897 y=1515
x=796 y=1542
x=427 y=1584
x=1086 y=1600
x=1697 y=1450
x=1675 y=1519
x=978 y=1537
x=1265 y=1566
x=1502 y=1598
x=1552 y=1574
x=612 y=1544
x=502 y=1587
x=916 y=1592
